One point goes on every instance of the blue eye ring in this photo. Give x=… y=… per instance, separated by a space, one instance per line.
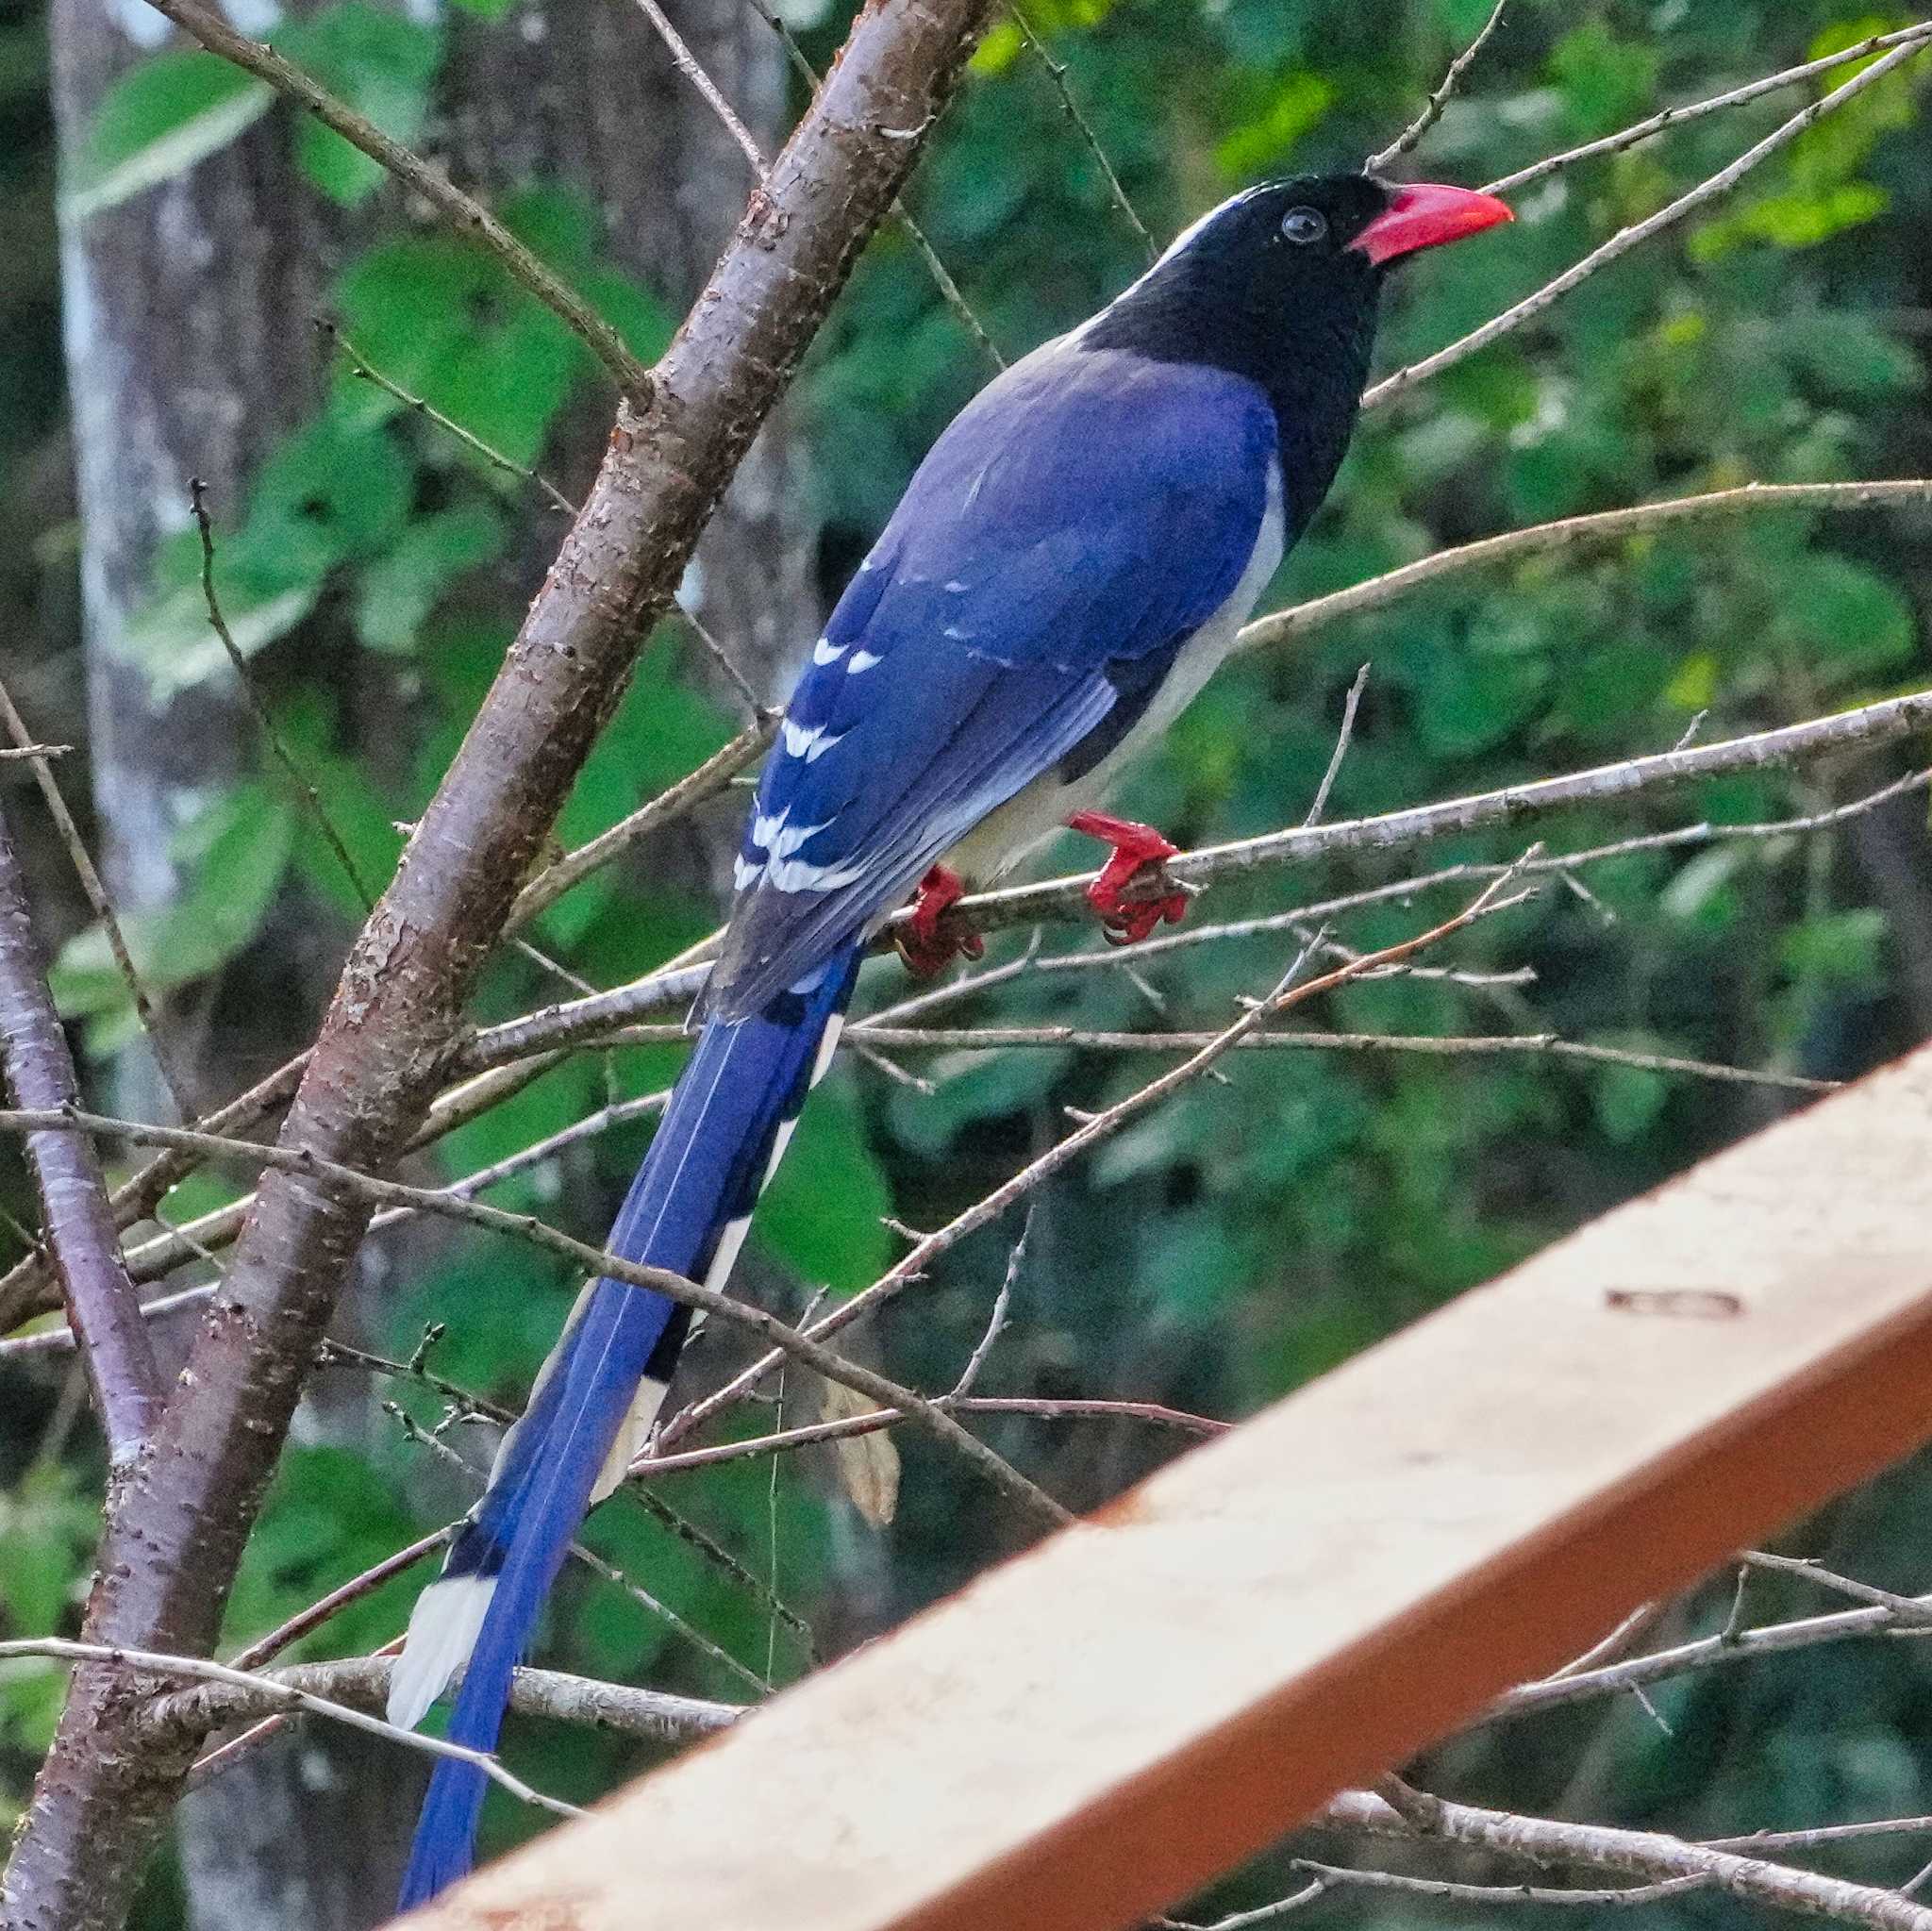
x=1303 y=225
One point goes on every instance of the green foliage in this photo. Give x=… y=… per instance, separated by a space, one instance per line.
x=159 y=119
x=234 y=856
x=379 y=62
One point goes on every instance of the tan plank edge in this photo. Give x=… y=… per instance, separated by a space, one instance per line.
x=1096 y=1728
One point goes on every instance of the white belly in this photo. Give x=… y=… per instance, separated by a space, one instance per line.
x=1032 y=815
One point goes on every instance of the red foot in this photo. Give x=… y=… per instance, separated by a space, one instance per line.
x=1124 y=920
x=919 y=941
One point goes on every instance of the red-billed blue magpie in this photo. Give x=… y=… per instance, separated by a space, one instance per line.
x=1065 y=571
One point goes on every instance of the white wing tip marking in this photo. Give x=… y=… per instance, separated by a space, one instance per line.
x=630 y=1437
x=829 y=1044
x=443 y=1629
x=861 y=660
x=825 y=652
x=724 y=1258
x=800 y=875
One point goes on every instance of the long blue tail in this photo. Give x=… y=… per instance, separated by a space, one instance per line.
x=722 y=1133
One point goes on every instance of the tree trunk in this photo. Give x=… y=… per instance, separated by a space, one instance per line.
x=188 y=355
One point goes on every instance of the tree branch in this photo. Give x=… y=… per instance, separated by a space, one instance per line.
x=1695 y=111
x=1573 y=532
x=1870 y=724
x=278 y=1695
x=1645 y=1854
x=1624 y=240
x=361 y=1683
x=1432 y=108
x=389 y=1032
x=78 y=1230
x=1291 y=992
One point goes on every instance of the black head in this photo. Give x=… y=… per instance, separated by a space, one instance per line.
x=1282 y=283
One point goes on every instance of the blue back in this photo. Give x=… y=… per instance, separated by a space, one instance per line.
x=1082 y=517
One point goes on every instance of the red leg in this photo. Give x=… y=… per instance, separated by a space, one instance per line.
x=920 y=943
x=1126 y=919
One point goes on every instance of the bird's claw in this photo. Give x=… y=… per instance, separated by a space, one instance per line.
x=1140 y=855
x=922 y=945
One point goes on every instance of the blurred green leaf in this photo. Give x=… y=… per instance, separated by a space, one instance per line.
x=234 y=855
x=401 y=587
x=823 y=1213
x=380 y=62
x=157 y=120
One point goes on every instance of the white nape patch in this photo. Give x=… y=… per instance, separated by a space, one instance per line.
x=443 y=1629
x=828 y=1046
x=825 y=652
x=724 y=1258
x=744 y=874
x=801 y=874
x=1187 y=237
x=631 y=1436
x=861 y=660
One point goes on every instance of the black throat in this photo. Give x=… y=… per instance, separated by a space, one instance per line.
x=1305 y=347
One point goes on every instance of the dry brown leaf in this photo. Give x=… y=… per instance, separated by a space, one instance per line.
x=868 y=1464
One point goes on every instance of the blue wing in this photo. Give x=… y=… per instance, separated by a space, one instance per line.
x=1074 y=527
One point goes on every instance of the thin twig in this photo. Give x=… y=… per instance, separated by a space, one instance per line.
x=942 y=280
x=1057 y=73
x=362 y=367
x=1619 y=1897
x=1288 y=993
x=1550 y=1045
x=1432 y=108
x=998 y=1320
x=594 y=1260
x=1626 y=238
x=689 y=65
x=706 y=781
x=1648 y=1856
x=1726 y=1647
x=1906 y=1608
x=151 y=1662
x=1695 y=111
x=1342 y=740
x=362 y=1683
x=174 y=1075
x=1602 y=526
x=307 y=797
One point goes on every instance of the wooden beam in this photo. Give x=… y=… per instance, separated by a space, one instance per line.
x=1094 y=1729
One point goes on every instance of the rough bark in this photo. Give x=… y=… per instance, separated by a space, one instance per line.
x=171 y=1554
x=182 y=363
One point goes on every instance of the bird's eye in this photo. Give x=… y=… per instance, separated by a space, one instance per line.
x=1303 y=225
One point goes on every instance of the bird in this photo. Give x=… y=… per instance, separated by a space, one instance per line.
x=1067 y=567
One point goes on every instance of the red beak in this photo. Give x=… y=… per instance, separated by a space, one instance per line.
x=1425 y=215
